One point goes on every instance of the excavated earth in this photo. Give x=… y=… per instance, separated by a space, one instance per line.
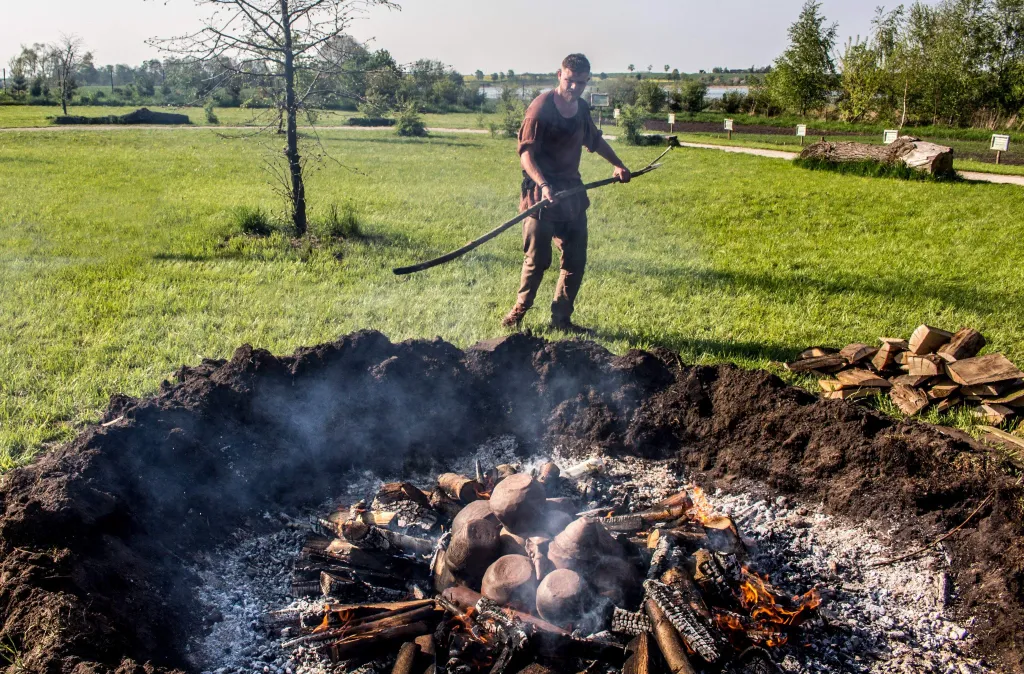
x=97 y=537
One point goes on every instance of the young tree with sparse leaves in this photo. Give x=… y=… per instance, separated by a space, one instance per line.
x=286 y=40
x=805 y=74
x=65 y=57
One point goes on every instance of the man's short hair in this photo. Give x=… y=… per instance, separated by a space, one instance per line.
x=577 y=63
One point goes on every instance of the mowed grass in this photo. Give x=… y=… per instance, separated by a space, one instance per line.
x=119 y=261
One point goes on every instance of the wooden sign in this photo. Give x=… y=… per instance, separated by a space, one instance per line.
x=889 y=136
x=671 y=118
x=801 y=130
x=728 y=125
x=600 y=100
x=1000 y=143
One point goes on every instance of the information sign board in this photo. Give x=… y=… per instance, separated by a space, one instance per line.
x=728 y=125
x=617 y=113
x=801 y=130
x=1000 y=143
x=671 y=118
x=889 y=136
x=600 y=100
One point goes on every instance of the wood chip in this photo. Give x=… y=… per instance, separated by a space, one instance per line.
x=861 y=378
x=819 y=364
x=983 y=370
x=965 y=344
x=927 y=339
x=909 y=400
x=855 y=353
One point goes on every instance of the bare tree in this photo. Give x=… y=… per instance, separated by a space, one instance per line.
x=65 y=56
x=289 y=40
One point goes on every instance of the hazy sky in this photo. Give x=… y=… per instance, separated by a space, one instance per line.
x=525 y=35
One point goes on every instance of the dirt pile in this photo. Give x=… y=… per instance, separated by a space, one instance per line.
x=95 y=537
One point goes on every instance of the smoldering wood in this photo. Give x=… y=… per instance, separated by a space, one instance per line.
x=406 y=660
x=690 y=625
x=907 y=150
x=371 y=624
x=399 y=492
x=669 y=642
x=459 y=487
x=444 y=504
x=629 y=622
x=464 y=598
x=639 y=655
x=639 y=521
x=372 y=537
x=376 y=643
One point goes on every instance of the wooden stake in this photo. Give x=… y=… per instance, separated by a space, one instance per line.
x=669 y=641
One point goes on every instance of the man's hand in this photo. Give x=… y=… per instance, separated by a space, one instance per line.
x=622 y=173
x=547 y=193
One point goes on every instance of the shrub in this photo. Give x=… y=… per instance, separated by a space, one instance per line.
x=341 y=222
x=211 y=116
x=650 y=96
x=693 y=94
x=733 y=102
x=631 y=121
x=409 y=122
x=252 y=221
x=511 y=111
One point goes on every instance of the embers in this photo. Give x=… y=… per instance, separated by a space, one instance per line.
x=502 y=571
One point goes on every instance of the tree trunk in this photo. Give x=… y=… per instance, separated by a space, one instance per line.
x=298 y=190
x=914 y=153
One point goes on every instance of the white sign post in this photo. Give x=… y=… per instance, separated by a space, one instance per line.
x=889 y=136
x=728 y=127
x=671 y=122
x=801 y=131
x=1000 y=144
x=600 y=101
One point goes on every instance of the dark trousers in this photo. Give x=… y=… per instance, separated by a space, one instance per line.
x=571 y=239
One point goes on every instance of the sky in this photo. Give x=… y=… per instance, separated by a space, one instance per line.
x=522 y=35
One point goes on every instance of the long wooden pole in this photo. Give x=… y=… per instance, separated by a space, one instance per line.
x=533 y=210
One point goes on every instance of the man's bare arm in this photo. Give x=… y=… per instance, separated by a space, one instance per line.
x=532 y=170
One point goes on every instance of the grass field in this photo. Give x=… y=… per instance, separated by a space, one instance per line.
x=119 y=260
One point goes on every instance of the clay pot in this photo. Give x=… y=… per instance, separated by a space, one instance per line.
x=477 y=510
x=582 y=544
x=561 y=597
x=472 y=549
x=510 y=543
x=510 y=581
x=520 y=504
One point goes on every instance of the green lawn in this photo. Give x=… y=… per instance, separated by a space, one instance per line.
x=119 y=261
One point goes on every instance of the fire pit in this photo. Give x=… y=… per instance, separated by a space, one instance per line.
x=366 y=506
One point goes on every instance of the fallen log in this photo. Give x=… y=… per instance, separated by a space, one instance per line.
x=907 y=150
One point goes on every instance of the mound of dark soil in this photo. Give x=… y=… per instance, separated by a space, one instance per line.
x=96 y=537
x=140 y=116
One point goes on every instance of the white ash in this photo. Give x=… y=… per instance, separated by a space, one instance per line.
x=886 y=619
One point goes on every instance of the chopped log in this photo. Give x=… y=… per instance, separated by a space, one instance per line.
x=885 y=359
x=1014 y=399
x=949 y=403
x=927 y=339
x=374 y=608
x=396 y=492
x=830 y=385
x=459 y=487
x=817 y=352
x=406 y=660
x=894 y=343
x=966 y=343
x=855 y=353
x=511 y=580
x=907 y=150
x=909 y=400
x=628 y=623
x=444 y=504
x=472 y=549
x=992 y=390
x=923 y=366
x=825 y=364
x=942 y=389
x=561 y=597
x=861 y=379
x=911 y=380
x=377 y=643
x=639 y=521
x=678 y=499
x=995 y=415
x=1008 y=440
x=520 y=504
x=694 y=629
x=372 y=537
x=994 y=367
x=343 y=552
x=851 y=394
x=901 y=358
x=639 y=660
x=669 y=641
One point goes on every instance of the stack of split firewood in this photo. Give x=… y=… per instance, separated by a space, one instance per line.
x=502 y=572
x=933 y=367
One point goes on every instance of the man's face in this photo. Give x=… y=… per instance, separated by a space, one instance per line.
x=572 y=84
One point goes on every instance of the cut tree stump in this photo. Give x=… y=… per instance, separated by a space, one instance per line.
x=907 y=150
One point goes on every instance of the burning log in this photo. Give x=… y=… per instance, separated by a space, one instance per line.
x=459 y=487
x=510 y=580
x=520 y=504
x=464 y=599
x=370 y=644
x=639 y=660
x=675 y=608
x=372 y=537
x=561 y=597
x=628 y=623
x=405 y=614
x=399 y=492
x=444 y=504
x=669 y=642
x=472 y=549
x=644 y=520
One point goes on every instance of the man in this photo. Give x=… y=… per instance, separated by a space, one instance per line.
x=555 y=130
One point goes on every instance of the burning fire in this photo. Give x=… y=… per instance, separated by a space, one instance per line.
x=768 y=619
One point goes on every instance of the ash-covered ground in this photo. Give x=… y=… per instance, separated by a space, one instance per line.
x=876 y=618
